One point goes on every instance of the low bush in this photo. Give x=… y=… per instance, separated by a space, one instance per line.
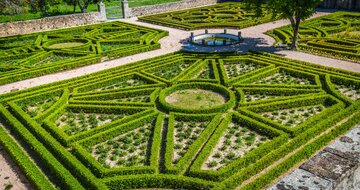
x=333 y=35
x=65 y=49
x=236 y=16
x=128 y=137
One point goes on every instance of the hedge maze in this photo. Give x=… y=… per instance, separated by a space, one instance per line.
x=37 y=54
x=121 y=128
x=336 y=35
x=233 y=15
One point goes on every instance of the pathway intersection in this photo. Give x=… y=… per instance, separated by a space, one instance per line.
x=254 y=39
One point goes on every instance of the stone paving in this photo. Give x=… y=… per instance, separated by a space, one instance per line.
x=337 y=167
x=254 y=39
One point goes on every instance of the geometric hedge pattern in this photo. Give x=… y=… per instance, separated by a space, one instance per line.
x=234 y=15
x=336 y=35
x=32 y=55
x=110 y=130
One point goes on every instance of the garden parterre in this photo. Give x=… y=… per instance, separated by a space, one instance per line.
x=115 y=129
x=231 y=15
x=32 y=55
x=336 y=35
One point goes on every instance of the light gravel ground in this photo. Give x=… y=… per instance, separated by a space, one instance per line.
x=10 y=174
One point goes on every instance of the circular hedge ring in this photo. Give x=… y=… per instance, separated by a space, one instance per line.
x=67 y=43
x=228 y=95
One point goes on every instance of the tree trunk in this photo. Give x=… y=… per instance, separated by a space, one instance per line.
x=295 y=23
x=83 y=8
x=295 y=38
x=74 y=5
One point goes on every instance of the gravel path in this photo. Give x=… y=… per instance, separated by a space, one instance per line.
x=11 y=177
x=253 y=39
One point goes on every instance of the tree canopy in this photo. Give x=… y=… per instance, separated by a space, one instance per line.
x=293 y=10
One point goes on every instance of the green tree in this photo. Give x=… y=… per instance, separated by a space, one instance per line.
x=73 y=3
x=12 y=7
x=83 y=4
x=294 y=10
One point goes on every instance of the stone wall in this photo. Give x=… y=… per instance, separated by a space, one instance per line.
x=337 y=167
x=49 y=23
x=185 y=4
x=342 y=4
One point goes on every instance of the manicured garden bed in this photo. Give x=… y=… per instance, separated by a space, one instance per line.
x=336 y=35
x=32 y=55
x=230 y=15
x=129 y=127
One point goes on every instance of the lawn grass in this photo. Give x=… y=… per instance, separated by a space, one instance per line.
x=113 y=9
x=65 y=45
x=195 y=98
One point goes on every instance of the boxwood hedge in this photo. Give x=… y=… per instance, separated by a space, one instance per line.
x=229 y=15
x=116 y=112
x=335 y=35
x=32 y=55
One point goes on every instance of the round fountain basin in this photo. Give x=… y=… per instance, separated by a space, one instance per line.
x=216 y=39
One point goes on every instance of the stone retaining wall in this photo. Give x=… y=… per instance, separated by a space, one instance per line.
x=342 y=4
x=153 y=9
x=49 y=23
x=337 y=167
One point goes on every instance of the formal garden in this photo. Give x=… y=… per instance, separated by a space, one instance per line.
x=231 y=15
x=180 y=120
x=37 y=54
x=336 y=36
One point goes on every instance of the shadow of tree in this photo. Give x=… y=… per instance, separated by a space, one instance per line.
x=258 y=44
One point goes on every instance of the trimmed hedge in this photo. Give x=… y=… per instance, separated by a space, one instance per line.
x=229 y=95
x=233 y=15
x=100 y=171
x=157 y=181
x=185 y=161
x=64 y=177
x=30 y=169
x=45 y=59
x=139 y=90
x=326 y=36
x=277 y=136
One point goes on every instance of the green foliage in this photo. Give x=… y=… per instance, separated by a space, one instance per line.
x=219 y=15
x=28 y=56
x=228 y=95
x=333 y=35
x=294 y=11
x=130 y=137
x=24 y=10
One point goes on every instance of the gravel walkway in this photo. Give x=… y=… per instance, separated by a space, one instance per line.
x=253 y=39
x=11 y=177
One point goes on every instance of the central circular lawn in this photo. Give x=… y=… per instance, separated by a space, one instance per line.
x=195 y=98
x=65 y=45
